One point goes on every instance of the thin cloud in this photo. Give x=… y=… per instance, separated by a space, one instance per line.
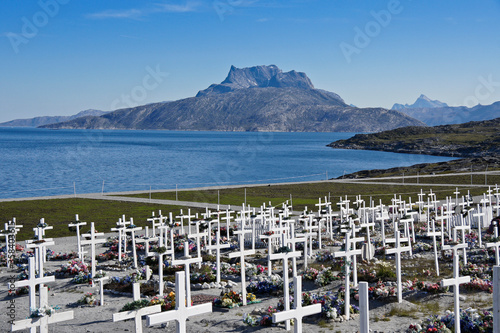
x=137 y=13
x=118 y=14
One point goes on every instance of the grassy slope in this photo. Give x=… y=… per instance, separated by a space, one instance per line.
x=60 y=212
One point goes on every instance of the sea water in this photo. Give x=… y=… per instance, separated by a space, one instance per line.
x=40 y=162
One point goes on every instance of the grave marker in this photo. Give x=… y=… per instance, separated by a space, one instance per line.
x=397 y=250
x=181 y=312
x=242 y=253
x=93 y=241
x=457 y=280
x=298 y=311
x=137 y=315
x=42 y=322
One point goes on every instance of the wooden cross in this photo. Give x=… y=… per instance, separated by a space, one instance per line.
x=242 y=253
x=347 y=254
x=32 y=282
x=496 y=299
x=77 y=224
x=480 y=215
x=496 y=244
x=44 y=321
x=122 y=236
x=181 y=312
x=132 y=229
x=198 y=236
x=293 y=241
x=137 y=315
x=40 y=251
x=93 y=241
x=147 y=239
x=284 y=256
x=155 y=222
x=298 y=311
x=433 y=234
x=269 y=239
x=364 y=308
x=186 y=261
x=228 y=219
x=101 y=288
x=397 y=250
x=457 y=280
x=218 y=247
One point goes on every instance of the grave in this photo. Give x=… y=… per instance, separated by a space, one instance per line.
x=44 y=321
x=298 y=311
x=181 y=312
x=93 y=241
x=241 y=253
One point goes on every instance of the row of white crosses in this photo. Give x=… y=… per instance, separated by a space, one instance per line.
x=10 y=231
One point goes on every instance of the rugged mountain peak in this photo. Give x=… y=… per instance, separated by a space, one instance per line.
x=258 y=76
x=421 y=102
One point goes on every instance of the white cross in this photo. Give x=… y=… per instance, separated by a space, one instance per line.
x=397 y=250
x=155 y=222
x=101 y=288
x=77 y=224
x=433 y=234
x=496 y=299
x=40 y=250
x=93 y=241
x=495 y=245
x=137 y=315
x=42 y=322
x=284 y=256
x=480 y=216
x=32 y=282
x=298 y=311
x=122 y=236
x=146 y=239
x=242 y=253
x=181 y=312
x=198 y=236
x=347 y=253
x=132 y=231
x=218 y=246
x=186 y=261
x=293 y=241
x=269 y=239
x=364 y=308
x=457 y=280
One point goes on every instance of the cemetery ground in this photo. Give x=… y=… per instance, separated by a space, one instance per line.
x=422 y=294
x=386 y=315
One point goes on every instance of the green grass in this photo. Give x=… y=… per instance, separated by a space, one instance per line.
x=307 y=194
x=60 y=212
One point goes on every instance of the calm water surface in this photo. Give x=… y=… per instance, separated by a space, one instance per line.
x=35 y=162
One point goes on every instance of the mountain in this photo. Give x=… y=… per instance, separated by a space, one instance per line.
x=472 y=139
x=454 y=114
x=421 y=102
x=260 y=98
x=46 y=120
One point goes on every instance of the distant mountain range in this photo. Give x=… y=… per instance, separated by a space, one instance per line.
x=434 y=113
x=421 y=102
x=46 y=120
x=260 y=98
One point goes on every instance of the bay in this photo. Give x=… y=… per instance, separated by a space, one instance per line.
x=40 y=162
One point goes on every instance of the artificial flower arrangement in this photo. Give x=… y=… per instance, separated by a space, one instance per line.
x=471 y=320
x=43 y=311
x=88 y=299
x=232 y=299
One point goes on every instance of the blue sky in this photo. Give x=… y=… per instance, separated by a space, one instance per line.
x=58 y=57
